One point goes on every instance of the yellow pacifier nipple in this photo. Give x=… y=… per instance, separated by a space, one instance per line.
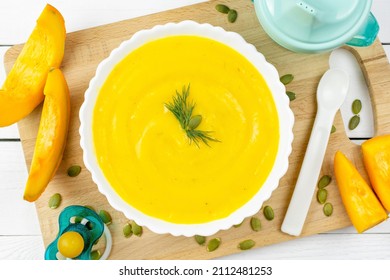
x=70 y=244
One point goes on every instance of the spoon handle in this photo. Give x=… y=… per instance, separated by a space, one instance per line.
x=308 y=175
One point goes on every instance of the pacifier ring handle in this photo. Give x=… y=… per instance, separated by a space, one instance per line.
x=108 y=248
x=108 y=237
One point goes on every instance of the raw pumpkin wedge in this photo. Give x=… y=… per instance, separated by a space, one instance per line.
x=376 y=155
x=22 y=90
x=52 y=134
x=363 y=207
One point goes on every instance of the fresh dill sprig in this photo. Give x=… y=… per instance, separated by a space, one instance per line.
x=182 y=109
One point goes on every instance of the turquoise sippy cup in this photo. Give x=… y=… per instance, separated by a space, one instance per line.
x=314 y=26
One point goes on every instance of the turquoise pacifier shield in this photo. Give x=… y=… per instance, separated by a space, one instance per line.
x=90 y=232
x=312 y=25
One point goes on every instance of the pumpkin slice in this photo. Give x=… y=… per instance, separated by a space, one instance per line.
x=376 y=155
x=52 y=134
x=363 y=207
x=22 y=90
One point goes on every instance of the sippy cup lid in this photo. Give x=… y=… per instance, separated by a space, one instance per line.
x=312 y=25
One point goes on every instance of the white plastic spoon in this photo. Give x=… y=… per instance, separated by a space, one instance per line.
x=331 y=93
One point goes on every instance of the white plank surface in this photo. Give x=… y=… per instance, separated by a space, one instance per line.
x=323 y=247
x=21 y=248
x=13 y=168
x=381 y=10
x=17 y=17
x=20 y=236
x=17 y=217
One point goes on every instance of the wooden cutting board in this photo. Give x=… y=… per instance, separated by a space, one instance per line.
x=86 y=48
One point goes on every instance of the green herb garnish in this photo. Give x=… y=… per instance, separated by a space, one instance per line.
x=182 y=109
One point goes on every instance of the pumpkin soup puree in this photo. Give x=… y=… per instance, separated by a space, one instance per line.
x=147 y=157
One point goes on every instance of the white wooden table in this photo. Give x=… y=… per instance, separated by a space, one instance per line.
x=20 y=235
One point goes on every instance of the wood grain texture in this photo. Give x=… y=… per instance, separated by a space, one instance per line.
x=85 y=49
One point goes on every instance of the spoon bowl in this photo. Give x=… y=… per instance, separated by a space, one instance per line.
x=332 y=90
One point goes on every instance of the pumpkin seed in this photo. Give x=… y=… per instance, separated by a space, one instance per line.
x=55 y=201
x=74 y=170
x=232 y=16
x=78 y=220
x=222 y=8
x=286 y=79
x=127 y=230
x=105 y=216
x=354 y=122
x=89 y=226
x=268 y=213
x=213 y=244
x=356 y=106
x=90 y=207
x=246 y=245
x=333 y=130
x=194 y=122
x=201 y=240
x=95 y=255
x=328 y=209
x=322 y=195
x=238 y=225
x=255 y=224
x=324 y=181
x=137 y=230
x=291 y=95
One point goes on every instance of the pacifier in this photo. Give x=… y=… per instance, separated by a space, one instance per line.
x=79 y=230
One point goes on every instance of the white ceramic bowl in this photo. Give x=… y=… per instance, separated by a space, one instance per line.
x=269 y=73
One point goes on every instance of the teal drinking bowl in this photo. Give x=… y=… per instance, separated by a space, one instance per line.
x=313 y=26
